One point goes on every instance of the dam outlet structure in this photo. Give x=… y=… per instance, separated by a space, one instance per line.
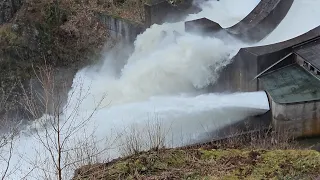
x=187 y=88
x=286 y=69
x=157 y=91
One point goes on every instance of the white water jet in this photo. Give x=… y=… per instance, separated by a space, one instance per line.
x=226 y=12
x=184 y=119
x=161 y=82
x=302 y=17
x=174 y=68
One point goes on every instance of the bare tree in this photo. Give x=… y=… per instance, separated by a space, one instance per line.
x=8 y=132
x=60 y=122
x=6 y=151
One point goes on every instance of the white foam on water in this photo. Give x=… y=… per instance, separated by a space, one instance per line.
x=225 y=12
x=184 y=119
x=162 y=68
x=161 y=82
x=302 y=17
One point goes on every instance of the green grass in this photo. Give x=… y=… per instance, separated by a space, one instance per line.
x=209 y=164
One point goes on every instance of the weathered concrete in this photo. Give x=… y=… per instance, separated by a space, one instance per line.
x=121 y=28
x=310 y=53
x=160 y=11
x=248 y=127
x=263 y=19
x=156 y=12
x=8 y=8
x=294 y=102
x=249 y=62
x=298 y=119
x=244 y=132
x=253 y=123
x=204 y=26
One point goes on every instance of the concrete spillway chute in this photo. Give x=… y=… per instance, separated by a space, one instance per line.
x=262 y=20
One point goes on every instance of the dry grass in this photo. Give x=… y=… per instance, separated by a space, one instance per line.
x=209 y=164
x=260 y=139
x=129 y=9
x=134 y=140
x=255 y=155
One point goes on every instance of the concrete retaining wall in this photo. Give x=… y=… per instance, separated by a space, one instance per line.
x=238 y=75
x=253 y=123
x=120 y=28
x=156 y=12
x=160 y=11
x=249 y=62
x=298 y=119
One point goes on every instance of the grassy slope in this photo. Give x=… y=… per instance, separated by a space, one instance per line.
x=209 y=164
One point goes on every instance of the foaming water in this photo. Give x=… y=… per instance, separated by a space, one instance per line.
x=176 y=120
x=303 y=16
x=159 y=89
x=184 y=119
x=226 y=12
x=187 y=65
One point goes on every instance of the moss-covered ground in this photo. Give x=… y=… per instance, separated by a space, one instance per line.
x=209 y=164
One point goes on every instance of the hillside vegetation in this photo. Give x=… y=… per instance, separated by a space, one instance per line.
x=63 y=34
x=248 y=156
x=209 y=164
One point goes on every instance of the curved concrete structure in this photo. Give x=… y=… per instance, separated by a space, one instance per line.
x=249 y=62
x=298 y=117
x=264 y=18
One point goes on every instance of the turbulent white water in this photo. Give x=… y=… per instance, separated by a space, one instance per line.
x=303 y=16
x=160 y=68
x=158 y=92
x=227 y=12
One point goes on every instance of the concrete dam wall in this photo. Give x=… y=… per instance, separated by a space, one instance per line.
x=156 y=12
x=120 y=28
x=160 y=11
x=240 y=75
x=300 y=115
x=263 y=19
x=249 y=62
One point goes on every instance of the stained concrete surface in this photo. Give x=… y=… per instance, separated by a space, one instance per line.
x=160 y=11
x=263 y=19
x=291 y=84
x=249 y=62
x=310 y=53
x=120 y=28
x=298 y=119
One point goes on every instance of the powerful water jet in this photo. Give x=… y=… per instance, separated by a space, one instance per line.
x=162 y=84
